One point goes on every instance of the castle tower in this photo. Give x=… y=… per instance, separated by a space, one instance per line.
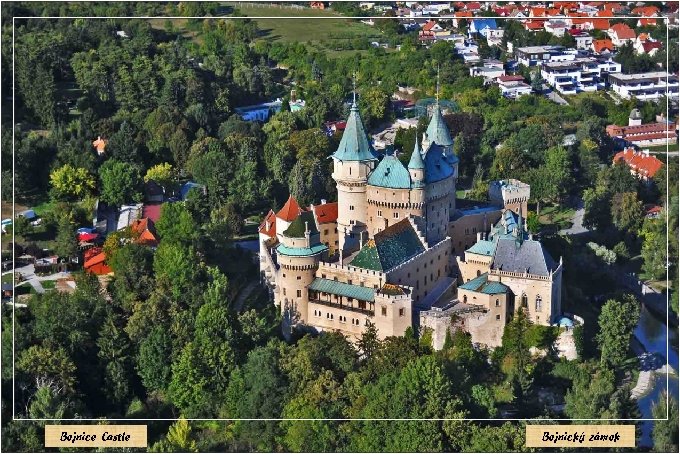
x=298 y=256
x=416 y=165
x=352 y=162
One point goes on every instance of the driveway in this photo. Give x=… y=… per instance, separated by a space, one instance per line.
x=577 y=221
x=35 y=281
x=553 y=96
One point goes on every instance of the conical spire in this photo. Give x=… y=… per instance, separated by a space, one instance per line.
x=437 y=131
x=354 y=145
x=416 y=161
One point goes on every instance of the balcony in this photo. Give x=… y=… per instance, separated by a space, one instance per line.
x=336 y=302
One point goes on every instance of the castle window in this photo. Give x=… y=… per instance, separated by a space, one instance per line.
x=524 y=300
x=350 y=299
x=284 y=274
x=299 y=293
x=498 y=316
x=467 y=231
x=395 y=215
x=323 y=276
x=383 y=311
x=498 y=302
x=479 y=273
x=299 y=277
x=401 y=312
x=539 y=303
x=284 y=291
x=362 y=304
x=351 y=208
x=464 y=298
x=325 y=231
x=349 y=281
x=350 y=171
x=380 y=213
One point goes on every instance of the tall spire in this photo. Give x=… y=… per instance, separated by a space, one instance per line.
x=354 y=89
x=437 y=85
x=354 y=144
x=416 y=161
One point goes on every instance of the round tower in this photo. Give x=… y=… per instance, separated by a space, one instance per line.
x=298 y=257
x=635 y=118
x=352 y=162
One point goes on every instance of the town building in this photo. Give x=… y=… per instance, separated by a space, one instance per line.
x=644 y=135
x=581 y=74
x=384 y=253
x=649 y=86
x=621 y=34
x=513 y=86
x=536 y=55
x=641 y=163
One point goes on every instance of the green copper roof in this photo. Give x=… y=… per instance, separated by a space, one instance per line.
x=343 y=289
x=437 y=131
x=296 y=229
x=416 y=161
x=354 y=145
x=389 y=248
x=481 y=284
x=390 y=173
x=483 y=247
x=301 y=251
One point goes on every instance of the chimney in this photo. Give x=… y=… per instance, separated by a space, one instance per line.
x=307 y=234
x=361 y=240
x=479 y=236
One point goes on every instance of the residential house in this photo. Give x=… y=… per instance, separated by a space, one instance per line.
x=602 y=46
x=583 y=40
x=153 y=192
x=490 y=70
x=145 y=232
x=641 y=163
x=317 y=5
x=641 y=135
x=99 y=145
x=621 y=34
x=482 y=26
x=647 y=47
x=459 y=16
x=535 y=55
x=513 y=86
x=645 y=86
x=95 y=261
x=581 y=74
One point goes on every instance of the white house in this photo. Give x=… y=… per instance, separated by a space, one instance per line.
x=582 y=74
x=645 y=86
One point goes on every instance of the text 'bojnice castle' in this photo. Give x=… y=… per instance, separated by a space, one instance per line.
x=395 y=251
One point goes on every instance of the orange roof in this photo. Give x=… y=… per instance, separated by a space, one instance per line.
x=646 y=11
x=612 y=7
x=144 y=228
x=268 y=225
x=533 y=25
x=99 y=144
x=462 y=14
x=623 y=31
x=537 y=11
x=601 y=44
x=428 y=25
x=599 y=24
x=553 y=11
x=644 y=21
x=290 y=210
x=643 y=37
x=326 y=212
x=97 y=259
x=643 y=164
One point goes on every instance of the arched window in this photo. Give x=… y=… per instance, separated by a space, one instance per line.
x=465 y=298
x=479 y=273
x=539 y=303
x=524 y=300
x=498 y=302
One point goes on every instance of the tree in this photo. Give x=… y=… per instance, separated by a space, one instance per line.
x=163 y=174
x=374 y=103
x=617 y=321
x=590 y=397
x=121 y=183
x=176 y=225
x=178 y=439
x=515 y=343
x=508 y=162
x=654 y=244
x=48 y=367
x=69 y=183
x=66 y=242
x=597 y=209
x=627 y=212
x=536 y=82
x=665 y=432
x=369 y=342
x=152 y=359
x=115 y=360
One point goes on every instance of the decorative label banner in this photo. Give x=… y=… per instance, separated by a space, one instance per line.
x=95 y=436
x=581 y=436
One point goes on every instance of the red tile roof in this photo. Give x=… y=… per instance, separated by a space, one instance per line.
x=643 y=164
x=623 y=31
x=649 y=46
x=600 y=24
x=538 y=11
x=645 y=11
x=601 y=44
x=428 y=25
x=290 y=210
x=510 y=78
x=99 y=144
x=533 y=25
x=152 y=211
x=145 y=230
x=97 y=264
x=268 y=225
x=473 y=6
x=645 y=21
x=326 y=212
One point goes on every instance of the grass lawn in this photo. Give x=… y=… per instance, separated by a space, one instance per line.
x=48 y=285
x=662 y=148
x=556 y=216
x=275 y=26
x=7 y=278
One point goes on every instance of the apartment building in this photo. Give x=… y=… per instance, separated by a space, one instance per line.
x=649 y=86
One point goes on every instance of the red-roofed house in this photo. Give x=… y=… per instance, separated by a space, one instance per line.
x=652 y=211
x=97 y=263
x=473 y=6
x=648 y=47
x=326 y=217
x=145 y=231
x=646 y=22
x=650 y=134
x=99 y=145
x=621 y=34
x=641 y=163
x=291 y=209
x=533 y=25
x=603 y=46
x=597 y=24
x=460 y=15
x=510 y=78
x=613 y=8
x=538 y=11
x=645 y=11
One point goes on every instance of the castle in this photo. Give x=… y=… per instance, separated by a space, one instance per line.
x=395 y=251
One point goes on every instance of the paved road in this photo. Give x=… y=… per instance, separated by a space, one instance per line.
x=28 y=273
x=577 y=220
x=553 y=96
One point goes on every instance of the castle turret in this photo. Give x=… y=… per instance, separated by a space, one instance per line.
x=352 y=162
x=298 y=257
x=416 y=165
